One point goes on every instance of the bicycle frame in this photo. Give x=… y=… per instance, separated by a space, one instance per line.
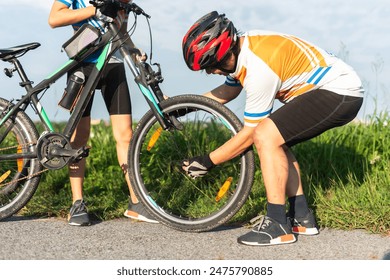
x=110 y=42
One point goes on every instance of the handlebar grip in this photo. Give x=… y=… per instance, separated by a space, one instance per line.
x=128 y=7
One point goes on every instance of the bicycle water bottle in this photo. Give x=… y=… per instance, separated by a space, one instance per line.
x=72 y=91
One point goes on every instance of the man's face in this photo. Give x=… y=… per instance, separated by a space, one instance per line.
x=224 y=68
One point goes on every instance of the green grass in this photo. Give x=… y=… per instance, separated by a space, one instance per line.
x=345 y=172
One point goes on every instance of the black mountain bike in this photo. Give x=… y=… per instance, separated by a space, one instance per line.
x=172 y=130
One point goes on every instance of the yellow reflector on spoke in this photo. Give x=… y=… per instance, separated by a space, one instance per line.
x=4 y=176
x=19 y=160
x=154 y=138
x=225 y=187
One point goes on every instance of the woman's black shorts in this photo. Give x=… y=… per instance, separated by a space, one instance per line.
x=114 y=88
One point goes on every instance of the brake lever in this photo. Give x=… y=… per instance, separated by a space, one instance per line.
x=139 y=11
x=133 y=7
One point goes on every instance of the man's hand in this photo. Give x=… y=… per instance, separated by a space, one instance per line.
x=197 y=166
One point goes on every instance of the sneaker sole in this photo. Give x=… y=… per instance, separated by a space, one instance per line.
x=284 y=239
x=80 y=225
x=305 y=231
x=140 y=218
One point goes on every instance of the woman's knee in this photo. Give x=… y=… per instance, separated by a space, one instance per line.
x=123 y=135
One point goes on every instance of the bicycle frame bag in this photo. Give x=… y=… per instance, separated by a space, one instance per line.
x=85 y=36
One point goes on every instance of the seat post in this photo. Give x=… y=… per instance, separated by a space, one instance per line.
x=25 y=81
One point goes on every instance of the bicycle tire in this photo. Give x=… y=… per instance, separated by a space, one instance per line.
x=158 y=180
x=17 y=180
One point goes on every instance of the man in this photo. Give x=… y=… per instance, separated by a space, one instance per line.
x=319 y=91
x=115 y=92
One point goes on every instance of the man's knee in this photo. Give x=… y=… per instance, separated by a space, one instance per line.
x=267 y=134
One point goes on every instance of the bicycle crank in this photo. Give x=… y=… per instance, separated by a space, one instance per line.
x=54 y=151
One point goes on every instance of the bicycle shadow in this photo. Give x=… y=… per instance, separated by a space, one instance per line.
x=20 y=218
x=17 y=218
x=386 y=256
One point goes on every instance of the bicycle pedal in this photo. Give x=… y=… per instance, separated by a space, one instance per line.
x=81 y=153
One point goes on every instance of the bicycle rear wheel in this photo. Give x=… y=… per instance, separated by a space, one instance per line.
x=158 y=180
x=19 y=177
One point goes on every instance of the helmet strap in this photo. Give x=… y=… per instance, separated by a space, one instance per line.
x=234 y=51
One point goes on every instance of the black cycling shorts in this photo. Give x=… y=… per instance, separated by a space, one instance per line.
x=314 y=112
x=114 y=88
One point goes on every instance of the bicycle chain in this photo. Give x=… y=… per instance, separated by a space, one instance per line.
x=25 y=177
x=17 y=146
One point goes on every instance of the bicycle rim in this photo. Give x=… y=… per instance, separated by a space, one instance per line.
x=17 y=180
x=155 y=158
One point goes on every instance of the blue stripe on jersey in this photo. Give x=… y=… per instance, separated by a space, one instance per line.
x=318 y=75
x=78 y=4
x=65 y=2
x=232 y=82
x=322 y=75
x=257 y=115
x=314 y=75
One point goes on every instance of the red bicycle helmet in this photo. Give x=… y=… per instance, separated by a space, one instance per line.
x=208 y=41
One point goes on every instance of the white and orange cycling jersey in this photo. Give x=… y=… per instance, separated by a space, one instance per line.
x=278 y=66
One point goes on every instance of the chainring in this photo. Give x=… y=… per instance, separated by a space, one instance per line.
x=47 y=143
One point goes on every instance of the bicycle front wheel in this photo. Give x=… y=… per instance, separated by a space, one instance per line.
x=155 y=158
x=19 y=177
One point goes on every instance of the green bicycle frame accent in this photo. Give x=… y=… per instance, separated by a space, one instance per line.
x=40 y=109
x=145 y=91
x=44 y=116
x=59 y=69
x=102 y=57
x=5 y=118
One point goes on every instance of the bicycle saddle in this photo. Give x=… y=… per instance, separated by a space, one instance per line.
x=10 y=53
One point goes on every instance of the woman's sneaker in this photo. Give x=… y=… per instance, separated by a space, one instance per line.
x=268 y=232
x=138 y=212
x=78 y=214
x=306 y=225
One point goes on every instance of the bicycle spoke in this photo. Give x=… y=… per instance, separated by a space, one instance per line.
x=19 y=173
x=155 y=166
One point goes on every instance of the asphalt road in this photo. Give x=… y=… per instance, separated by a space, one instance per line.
x=121 y=239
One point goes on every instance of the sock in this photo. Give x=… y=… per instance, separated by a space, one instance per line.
x=277 y=212
x=298 y=206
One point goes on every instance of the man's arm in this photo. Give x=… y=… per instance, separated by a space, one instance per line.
x=242 y=140
x=224 y=93
x=233 y=147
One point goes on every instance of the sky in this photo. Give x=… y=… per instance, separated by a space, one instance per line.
x=355 y=30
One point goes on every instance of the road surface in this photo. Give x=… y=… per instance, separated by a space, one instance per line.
x=122 y=239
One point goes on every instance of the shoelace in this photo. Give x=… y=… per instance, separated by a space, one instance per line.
x=78 y=207
x=260 y=221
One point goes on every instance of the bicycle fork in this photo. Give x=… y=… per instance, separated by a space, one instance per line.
x=145 y=77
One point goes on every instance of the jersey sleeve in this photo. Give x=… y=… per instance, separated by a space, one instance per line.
x=66 y=2
x=260 y=96
x=230 y=81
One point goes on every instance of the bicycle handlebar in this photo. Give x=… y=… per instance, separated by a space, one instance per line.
x=128 y=7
